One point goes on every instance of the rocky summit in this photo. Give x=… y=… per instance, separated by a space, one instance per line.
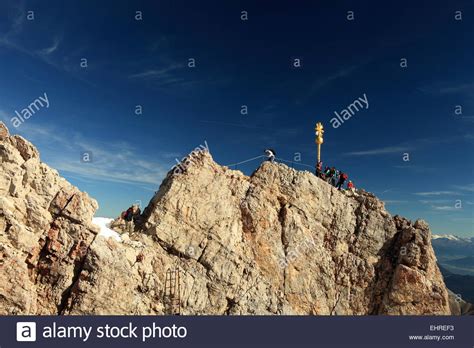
x=211 y=241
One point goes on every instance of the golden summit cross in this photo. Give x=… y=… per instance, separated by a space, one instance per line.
x=319 y=138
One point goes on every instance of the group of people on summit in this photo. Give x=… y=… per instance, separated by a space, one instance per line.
x=333 y=176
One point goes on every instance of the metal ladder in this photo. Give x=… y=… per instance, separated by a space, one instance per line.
x=172 y=295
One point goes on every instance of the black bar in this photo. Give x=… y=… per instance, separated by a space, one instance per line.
x=246 y=331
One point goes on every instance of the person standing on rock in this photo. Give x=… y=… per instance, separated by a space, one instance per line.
x=319 y=169
x=327 y=170
x=129 y=218
x=136 y=215
x=350 y=186
x=342 y=179
x=270 y=155
x=333 y=176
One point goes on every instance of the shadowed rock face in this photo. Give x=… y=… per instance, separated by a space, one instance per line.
x=45 y=231
x=278 y=242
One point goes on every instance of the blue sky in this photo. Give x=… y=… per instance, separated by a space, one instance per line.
x=129 y=63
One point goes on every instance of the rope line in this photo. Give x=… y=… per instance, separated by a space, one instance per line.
x=277 y=158
x=301 y=164
x=248 y=160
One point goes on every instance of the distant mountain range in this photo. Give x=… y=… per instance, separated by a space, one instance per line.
x=453 y=238
x=456 y=260
x=456 y=254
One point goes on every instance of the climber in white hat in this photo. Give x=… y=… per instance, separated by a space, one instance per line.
x=270 y=153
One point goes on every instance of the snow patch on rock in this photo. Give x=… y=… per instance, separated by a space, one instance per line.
x=105 y=231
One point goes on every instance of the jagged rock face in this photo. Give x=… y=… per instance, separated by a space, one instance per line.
x=45 y=231
x=278 y=242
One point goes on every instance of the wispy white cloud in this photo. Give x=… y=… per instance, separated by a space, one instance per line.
x=324 y=81
x=460 y=88
x=416 y=168
x=343 y=72
x=380 y=151
x=445 y=208
x=172 y=155
x=131 y=174
x=436 y=193
x=157 y=73
x=12 y=40
x=415 y=144
x=462 y=219
x=112 y=162
x=36 y=133
x=434 y=201
x=17 y=23
x=468 y=187
x=461 y=190
x=441 y=204
x=233 y=124
x=9 y=38
x=445 y=88
x=173 y=75
x=395 y=201
x=49 y=50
